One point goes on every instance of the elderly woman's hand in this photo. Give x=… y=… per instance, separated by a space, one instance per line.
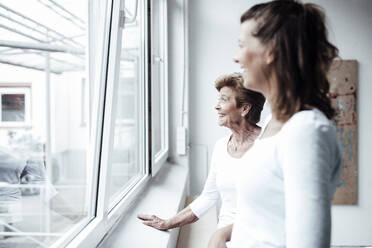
x=154 y=221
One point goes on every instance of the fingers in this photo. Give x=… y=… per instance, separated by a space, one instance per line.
x=146 y=217
x=155 y=224
x=153 y=221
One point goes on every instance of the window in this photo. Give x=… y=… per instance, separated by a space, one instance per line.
x=15 y=106
x=159 y=84
x=125 y=101
x=43 y=146
x=87 y=152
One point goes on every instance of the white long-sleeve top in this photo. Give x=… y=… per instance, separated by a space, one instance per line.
x=286 y=184
x=219 y=184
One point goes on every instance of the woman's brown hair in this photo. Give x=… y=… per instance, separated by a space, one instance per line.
x=243 y=95
x=296 y=35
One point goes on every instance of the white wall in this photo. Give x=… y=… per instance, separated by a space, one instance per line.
x=213 y=40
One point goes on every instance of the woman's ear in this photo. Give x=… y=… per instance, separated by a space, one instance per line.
x=245 y=109
x=269 y=57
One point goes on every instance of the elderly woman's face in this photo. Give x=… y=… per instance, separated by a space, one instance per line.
x=252 y=58
x=228 y=113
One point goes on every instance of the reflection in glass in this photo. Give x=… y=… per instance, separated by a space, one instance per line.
x=13 y=107
x=43 y=169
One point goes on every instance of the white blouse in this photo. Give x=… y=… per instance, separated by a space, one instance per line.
x=285 y=186
x=220 y=183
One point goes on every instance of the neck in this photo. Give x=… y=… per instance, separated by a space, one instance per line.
x=270 y=95
x=245 y=132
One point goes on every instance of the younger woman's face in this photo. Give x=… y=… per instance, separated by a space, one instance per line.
x=228 y=113
x=253 y=58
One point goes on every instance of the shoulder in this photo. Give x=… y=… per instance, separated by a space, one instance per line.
x=308 y=122
x=309 y=125
x=313 y=118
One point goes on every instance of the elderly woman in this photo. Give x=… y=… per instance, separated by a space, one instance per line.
x=239 y=109
x=285 y=194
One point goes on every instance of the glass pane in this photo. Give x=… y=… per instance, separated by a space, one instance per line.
x=13 y=107
x=43 y=168
x=126 y=156
x=156 y=80
x=156 y=114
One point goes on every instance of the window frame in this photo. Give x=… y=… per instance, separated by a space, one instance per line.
x=103 y=218
x=90 y=234
x=116 y=36
x=17 y=88
x=162 y=58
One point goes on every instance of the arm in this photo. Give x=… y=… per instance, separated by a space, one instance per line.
x=194 y=211
x=220 y=237
x=308 y=163
x=186 y=216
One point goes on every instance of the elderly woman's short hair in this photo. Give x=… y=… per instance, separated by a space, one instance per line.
x=243 y=96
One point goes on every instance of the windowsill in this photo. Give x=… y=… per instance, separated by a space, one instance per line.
x=163 y=196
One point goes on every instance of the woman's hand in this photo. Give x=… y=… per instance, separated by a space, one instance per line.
x=154 y=221
x=220 y=237
x=186 y=216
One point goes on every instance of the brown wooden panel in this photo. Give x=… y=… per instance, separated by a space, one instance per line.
x=343 y=77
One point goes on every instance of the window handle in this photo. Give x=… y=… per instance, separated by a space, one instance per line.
x=157 y=59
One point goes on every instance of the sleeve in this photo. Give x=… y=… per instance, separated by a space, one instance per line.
x=308 y=157
x=36 y=174
x=210 y=194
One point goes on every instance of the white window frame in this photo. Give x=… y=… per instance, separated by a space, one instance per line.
x=90 y=232
x=105 y=216
x=112 y=88
x=159 y=158
x=17 y=88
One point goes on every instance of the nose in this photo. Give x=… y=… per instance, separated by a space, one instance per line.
x=217 y=107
